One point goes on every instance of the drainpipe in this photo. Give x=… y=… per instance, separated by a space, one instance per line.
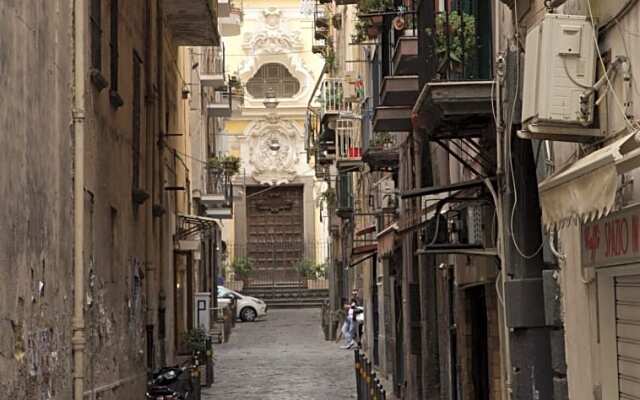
x=78 y=341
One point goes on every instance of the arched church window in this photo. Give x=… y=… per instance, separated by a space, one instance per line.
x=273 y=77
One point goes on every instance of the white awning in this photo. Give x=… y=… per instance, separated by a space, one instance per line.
x=586 y=189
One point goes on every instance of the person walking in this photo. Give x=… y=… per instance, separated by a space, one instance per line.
x=349 y=328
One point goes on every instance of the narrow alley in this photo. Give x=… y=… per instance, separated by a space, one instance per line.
x=282 y=357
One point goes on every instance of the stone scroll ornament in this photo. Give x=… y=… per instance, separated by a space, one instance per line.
x=273 y=151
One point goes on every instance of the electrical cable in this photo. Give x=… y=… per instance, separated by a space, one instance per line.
x=619 y=105
x=509 y=138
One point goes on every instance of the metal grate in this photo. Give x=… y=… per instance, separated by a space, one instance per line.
x=273 y=77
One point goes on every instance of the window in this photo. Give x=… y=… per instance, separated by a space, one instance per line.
x=273 y=77
x=95 y=26
x=96 y=35
x=114 y=97
x=135 y=129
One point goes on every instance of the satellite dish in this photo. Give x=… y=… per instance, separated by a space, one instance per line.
x=399 y=23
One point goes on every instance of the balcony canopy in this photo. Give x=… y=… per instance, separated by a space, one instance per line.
x=586 y=189
x=192 y=22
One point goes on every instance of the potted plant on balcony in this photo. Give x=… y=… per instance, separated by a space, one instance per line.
x=243 y=267
x=380 y=141
x=373 y=7
x=361 y=31
x=214 y=165
x=328 y=197
x=231 y=165
x=330 y=59
x=456 y=39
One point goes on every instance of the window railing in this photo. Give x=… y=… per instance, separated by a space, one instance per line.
x=219 y=97
x=335 y=96
x=219 y=183
x=213 y=59
x=348 y=139
x=462 y=40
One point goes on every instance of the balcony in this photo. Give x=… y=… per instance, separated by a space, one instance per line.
x=456 y=101
x=192 y=22
x=218 y=201
x=212 y=71
x=405 y=56
x=335 y=98
x=392 y=119
x=400 y=90
x=382 y=151
x=218 y=102
x=230 y=26
x=348 y=143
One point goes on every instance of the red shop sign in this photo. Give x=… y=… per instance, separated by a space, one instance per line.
x=612 y=240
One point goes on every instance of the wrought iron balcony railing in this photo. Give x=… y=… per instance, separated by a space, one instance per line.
x=335 y=97
x=461 y=40
x=348 y=139
x=212 y=70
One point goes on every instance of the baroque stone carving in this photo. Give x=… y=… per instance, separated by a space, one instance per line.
x=273 y=151
x=274 y=41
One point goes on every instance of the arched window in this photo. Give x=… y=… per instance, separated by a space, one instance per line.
x=273 y=77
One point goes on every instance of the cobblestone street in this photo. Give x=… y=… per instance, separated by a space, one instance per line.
x=283 y=357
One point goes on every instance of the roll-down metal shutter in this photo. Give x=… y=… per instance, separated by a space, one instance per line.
x=627 y=292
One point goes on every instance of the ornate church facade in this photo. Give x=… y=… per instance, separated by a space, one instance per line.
x=276 y=220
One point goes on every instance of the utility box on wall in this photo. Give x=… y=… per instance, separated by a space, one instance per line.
x=202 y=317
x=559 y=69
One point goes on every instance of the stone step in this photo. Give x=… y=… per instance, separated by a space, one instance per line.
x=277 y=294
x=294 y=304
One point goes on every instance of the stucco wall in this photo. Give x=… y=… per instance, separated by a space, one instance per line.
x=36 y=232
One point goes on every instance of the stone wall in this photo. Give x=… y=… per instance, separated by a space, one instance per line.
x=36 y=232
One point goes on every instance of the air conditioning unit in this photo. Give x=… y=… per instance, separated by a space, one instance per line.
x=559 y=66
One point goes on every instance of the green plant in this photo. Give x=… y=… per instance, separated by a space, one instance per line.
x=229 y=164
x=361 y=26
x=330 y=59
x=195 y=341
x=243 y=267
x=320 y=271
x=365 y=6
x=305 y=268
x=457 y=33
x=214 y=164
x=328 y=197
x=381 y=139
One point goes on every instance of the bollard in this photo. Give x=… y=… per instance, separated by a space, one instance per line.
x=358 y=364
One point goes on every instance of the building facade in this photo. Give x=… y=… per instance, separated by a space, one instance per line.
x=498 y=270
x=113 y=90
x=276 y=224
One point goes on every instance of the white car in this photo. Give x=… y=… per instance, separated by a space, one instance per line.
x=248 y=308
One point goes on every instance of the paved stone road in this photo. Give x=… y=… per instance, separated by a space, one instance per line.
x=284 y=357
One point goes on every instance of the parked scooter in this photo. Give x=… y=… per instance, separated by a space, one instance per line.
x=173 y=383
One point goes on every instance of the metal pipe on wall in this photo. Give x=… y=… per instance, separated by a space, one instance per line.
x=78 y=340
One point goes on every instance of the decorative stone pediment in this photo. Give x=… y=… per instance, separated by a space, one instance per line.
x=273 y=150
x=273 y=41
x=272 y=37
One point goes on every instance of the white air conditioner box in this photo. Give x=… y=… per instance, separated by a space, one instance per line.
x=560 y=63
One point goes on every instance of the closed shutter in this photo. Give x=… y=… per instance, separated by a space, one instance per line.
x=627 y=292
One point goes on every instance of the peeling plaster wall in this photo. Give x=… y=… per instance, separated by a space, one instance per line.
x=36 y=228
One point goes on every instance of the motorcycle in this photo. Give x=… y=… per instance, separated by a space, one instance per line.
x=172 y=383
